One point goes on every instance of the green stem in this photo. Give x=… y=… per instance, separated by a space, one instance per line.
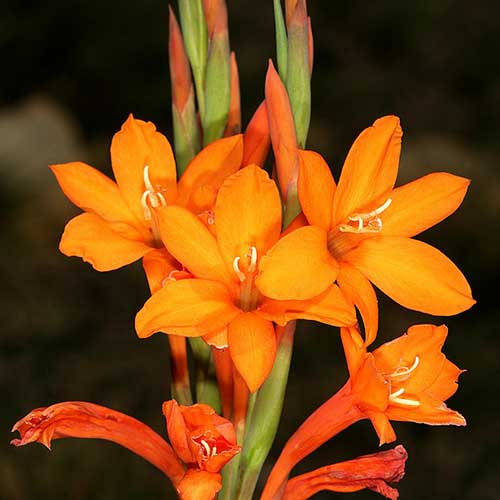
x=265 y=418
x=206 y=383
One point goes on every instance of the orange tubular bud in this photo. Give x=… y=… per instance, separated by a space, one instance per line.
x=367 y=472
x=224 y=374
x=256 y=139
x=233 y=125
x=241 y=394
x=215 y=11
x=185 y=121
x=282 y=130
x=180 y=74
x=87 y=420
x=289 y=10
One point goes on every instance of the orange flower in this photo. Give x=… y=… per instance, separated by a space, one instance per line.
x=221 y=301
x=87 y=420
x=361 y=232
x=407 y=379
x=118 y=225
x=369 y=471
x=199 y=436
x=203 y=440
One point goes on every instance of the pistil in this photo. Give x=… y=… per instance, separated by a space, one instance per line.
x=249 y=295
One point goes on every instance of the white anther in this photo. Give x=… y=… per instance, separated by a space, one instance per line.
x=237 y=270
x=207 y=448
x=404 y=372
x=253 y=259
x=155 y=198
x=214 y=451
x=394 y=397
x=369 y=222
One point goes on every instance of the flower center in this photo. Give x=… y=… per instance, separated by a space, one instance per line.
x=369 y=222
x=249 y=295
x=401 y=374
x=151 y=197
x=208 y=451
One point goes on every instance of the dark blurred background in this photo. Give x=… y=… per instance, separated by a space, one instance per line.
x=71 y=73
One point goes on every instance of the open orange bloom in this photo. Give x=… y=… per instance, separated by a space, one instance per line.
x=118 y=225
x=407 y=379
x=367 y=472
x=203 y=440
x=361 y=232
x=221 y=298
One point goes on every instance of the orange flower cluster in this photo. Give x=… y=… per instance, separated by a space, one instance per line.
x=234 y=256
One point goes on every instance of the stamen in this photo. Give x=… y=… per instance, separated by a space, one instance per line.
x=396 y=394
x=404 y=372
x=207 y=448
x=214 y=451
x=155 y=198
x=253 y=259
x=366 y=222
x=237 y=270
x=394 y=397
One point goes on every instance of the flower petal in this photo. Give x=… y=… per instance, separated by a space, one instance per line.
x=432 y=411
x=91 y=238
x=247 y=214
x=199 y=485
x=316 y=189
x=252 y=345
x=177 y=431
x=360 y=292
x=421 y=204
x=92 y=191
x=382 y=426
x=422 y=341
x=158 y=265
x=413 y=274
x=370 y=169
x=191 y=243
x=298 y=267
x=190 y=307
x=330 y=307
x=373 y=472
x=87 y=420
x=134 y=147
x=207 y=171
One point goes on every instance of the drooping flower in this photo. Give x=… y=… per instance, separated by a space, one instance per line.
x=200 y=438
x=372 y=472
x=221 y=299
x=80 y=419
x=407 y=379
x=361 y=231
x=118 y=225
